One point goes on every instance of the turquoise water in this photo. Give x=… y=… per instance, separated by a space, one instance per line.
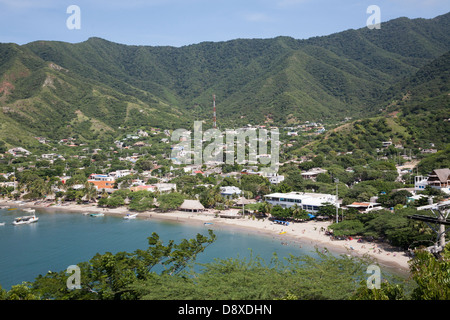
x=59 y=240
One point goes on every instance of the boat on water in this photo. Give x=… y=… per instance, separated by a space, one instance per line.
x=25 y=220
x=29 y=210
x=2 y=223
x=97 y=214
x=12 y=209
x=130 y=216
x=207 y=223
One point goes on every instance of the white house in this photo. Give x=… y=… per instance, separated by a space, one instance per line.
x=229 y=191
x=313 y=173
x=165 y=187
x=276 y=179
x=420 y=183
x=310 y=202
x=119 y=173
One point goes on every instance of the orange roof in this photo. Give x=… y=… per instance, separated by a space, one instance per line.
x=360 y=204
x=103 y=184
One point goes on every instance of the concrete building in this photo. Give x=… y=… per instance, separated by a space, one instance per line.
x=229 y=191
x=310 y=202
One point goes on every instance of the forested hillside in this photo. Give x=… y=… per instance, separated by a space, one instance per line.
x=93 y=88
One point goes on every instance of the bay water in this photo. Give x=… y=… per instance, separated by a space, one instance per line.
x=61 y=239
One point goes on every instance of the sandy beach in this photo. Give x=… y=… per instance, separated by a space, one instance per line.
x=310 y=232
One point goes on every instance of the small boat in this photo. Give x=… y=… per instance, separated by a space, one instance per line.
x=283 y=232
x=29 y=210
x=130 y=216
x=12 y=209
x=2 y=223
x=207 y=223
x=97 y=214
x=25 y=220
x=86 y=213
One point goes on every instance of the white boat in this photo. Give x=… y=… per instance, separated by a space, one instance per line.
x=25 y=220
x=97 y=214
x=130 y=216
x=2 y=223
x=29 y=210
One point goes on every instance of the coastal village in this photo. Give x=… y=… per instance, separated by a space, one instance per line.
x=137 y=176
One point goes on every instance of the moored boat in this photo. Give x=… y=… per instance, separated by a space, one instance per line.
x=25 y=220
x=130 y=216
x=97 y=214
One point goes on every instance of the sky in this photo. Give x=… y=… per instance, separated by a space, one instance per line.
x=184 y=22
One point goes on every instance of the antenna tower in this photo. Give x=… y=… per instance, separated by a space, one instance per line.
x=214 y=114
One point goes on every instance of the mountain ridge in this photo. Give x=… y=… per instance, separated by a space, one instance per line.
x=272 y=80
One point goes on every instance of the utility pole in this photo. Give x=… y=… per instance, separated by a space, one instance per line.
x=440 y=218
x=337 y=199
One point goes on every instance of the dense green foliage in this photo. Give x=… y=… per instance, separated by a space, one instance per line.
x=392 y=227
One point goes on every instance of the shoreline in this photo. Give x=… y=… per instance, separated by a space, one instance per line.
x=310 y=233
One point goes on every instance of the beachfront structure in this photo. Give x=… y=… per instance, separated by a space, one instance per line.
x=191 y=206
x=310 y=202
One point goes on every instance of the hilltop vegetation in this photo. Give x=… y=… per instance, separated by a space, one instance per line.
x=93 y=88
x=415 y=117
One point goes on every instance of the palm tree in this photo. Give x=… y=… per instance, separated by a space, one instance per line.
x=266 y=207
x=90 y=191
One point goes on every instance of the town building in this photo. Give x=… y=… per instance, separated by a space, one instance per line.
x=310 y=202
x=102 y=181
x=438 y=179
x=230 y=191
x=191 y=206
x=365 y=207
x=313 y=173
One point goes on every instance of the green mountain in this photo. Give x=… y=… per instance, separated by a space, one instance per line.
x=93 y=88
x=415 y=113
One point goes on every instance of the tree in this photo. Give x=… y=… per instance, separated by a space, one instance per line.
x=19 y=292
x=109 y=276
x=327 y=210
x=431 y=274
x=90 y=191
x=170 y=201
x=347 y=228
x=299 y=213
